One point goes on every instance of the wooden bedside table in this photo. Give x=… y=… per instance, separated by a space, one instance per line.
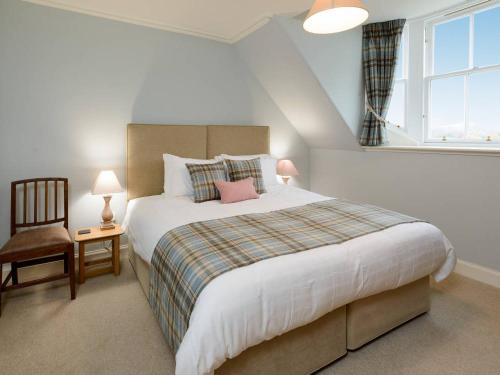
x=98 y=235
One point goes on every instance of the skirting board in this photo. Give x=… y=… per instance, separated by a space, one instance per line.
x=478 y=273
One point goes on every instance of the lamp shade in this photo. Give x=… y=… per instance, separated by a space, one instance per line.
x=106 y=183
x=334 y=16
x=286 y=168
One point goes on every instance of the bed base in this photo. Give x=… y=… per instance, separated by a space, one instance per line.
x=371 y=317
x=314 y=346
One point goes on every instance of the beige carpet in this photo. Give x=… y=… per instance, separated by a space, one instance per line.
x=109 y=329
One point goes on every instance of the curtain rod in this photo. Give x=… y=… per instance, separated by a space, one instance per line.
x=467 y=7
x=444 y=12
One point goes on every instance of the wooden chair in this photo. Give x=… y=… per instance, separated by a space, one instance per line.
x=38 y=241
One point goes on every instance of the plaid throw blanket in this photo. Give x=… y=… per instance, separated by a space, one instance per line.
x=187 y=258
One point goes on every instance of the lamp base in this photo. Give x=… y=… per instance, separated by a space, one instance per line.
x=107 y=215
x=285 y=179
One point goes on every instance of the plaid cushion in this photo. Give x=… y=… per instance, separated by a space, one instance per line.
x=241 y=169
x=203 y=177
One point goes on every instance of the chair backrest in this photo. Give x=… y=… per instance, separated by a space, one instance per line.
x=31 y=197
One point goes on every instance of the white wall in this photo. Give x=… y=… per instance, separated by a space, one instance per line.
x=70 y=83
x=459 y=194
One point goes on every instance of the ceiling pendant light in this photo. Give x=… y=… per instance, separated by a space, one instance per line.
x=334 y=16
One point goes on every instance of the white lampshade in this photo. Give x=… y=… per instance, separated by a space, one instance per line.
x=106 y=183
x=285 y=168
x=334 y=16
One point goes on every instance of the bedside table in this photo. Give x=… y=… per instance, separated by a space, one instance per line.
x=98 y=235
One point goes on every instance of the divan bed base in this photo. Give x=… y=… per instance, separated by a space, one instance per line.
x=309 y=348
x=373 y=316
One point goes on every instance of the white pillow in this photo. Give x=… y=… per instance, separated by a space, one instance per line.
x=267 y=164
x=177 y=180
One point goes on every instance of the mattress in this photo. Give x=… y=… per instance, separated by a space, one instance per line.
x=249 y=305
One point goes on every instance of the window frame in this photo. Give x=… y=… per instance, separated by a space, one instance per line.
x=429 y=76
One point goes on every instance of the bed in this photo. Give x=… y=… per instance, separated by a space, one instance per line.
x=292 y=314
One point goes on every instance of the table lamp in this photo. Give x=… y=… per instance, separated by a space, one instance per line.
x=286 y=169
x=105 y=185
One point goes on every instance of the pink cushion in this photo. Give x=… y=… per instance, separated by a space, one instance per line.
x=237 y=191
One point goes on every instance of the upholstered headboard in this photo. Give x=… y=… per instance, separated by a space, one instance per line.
x=146 y=145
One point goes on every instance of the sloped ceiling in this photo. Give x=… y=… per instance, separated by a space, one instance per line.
x=316 y=81
x=225 y=20
x=280 y=68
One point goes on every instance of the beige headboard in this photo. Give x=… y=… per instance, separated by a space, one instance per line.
x=146 y=145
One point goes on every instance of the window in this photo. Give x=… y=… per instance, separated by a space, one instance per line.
x=396 y=113
x=462 y=83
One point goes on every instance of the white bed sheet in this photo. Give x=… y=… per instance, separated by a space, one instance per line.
x=251 y=304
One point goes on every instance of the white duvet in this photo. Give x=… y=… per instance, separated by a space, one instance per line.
x=248 y=305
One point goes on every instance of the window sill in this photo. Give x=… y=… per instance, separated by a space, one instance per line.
x=475 y=151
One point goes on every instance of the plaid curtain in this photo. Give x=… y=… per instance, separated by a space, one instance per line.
x=380 y=48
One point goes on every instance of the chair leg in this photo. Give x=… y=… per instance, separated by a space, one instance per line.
x=13 y=267
x=70 y=255
x=66 y=258
x=1 y=282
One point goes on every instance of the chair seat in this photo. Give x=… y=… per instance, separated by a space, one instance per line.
x=36 y=239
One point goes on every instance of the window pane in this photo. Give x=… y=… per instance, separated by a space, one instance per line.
x=396 y=112
x=451 y=46
x=484 y=117
x=399 y=74
x=447 y=108
x=487 y=37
